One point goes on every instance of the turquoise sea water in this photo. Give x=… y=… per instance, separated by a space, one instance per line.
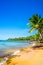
x=12 y=44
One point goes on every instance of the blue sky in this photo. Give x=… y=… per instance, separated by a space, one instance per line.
x=14 y=16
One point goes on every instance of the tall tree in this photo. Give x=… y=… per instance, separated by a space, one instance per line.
x=36 y=23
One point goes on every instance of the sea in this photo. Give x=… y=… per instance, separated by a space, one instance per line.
x=8 y=44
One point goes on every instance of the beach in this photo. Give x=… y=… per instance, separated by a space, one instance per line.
x=25 y=56
x=21 y=32
x=29 y=55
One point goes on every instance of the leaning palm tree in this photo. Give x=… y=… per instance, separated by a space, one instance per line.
x=36 y=23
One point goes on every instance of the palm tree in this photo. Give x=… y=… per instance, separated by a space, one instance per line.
x=36 y=23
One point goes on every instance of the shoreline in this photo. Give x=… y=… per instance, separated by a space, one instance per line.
x=25 y=53
x=8 y=52
x=26 y=57
x=23 y=56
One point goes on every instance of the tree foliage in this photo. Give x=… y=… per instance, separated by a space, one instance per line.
x=36 y=23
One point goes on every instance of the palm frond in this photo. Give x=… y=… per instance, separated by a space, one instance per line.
x=32 y=30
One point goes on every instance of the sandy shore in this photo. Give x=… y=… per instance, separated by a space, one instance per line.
x=26 y=56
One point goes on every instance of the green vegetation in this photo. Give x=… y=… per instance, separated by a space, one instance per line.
x=33 y=37
x=36 y=23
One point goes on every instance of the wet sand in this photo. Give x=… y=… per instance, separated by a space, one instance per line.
x=26 y=56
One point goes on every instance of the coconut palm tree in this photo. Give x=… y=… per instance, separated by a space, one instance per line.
x=36 y=23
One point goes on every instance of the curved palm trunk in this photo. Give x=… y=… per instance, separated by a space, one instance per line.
x=40 y=33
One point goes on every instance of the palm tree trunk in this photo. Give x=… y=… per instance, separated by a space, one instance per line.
x=40 y=35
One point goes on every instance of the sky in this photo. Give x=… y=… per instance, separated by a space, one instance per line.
x=14 y=15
